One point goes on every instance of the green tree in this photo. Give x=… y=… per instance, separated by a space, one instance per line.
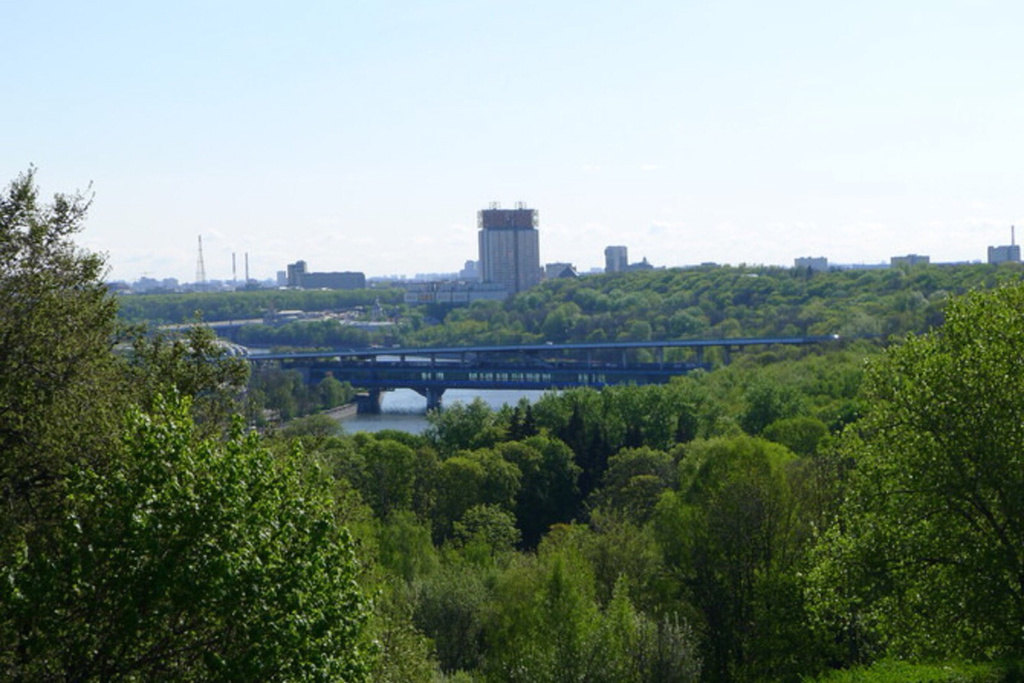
x=620 y=550
x=405 y=547
x=486 y=531
x=633 y=481
x=61 y=400
x=544 y=624
x=559 y=322
x=131 y=547
x=766 y=403
x=800 y=434
x=451 y=607
x=389 y=475
x=731 y=533
x=547 y=493
x=194 y=364
x=189 y=559
x=463 y=426
x=334 y=393
x=927 y=555
x=480 y=477
x=629 y=647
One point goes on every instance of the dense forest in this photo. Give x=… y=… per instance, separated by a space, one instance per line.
x=706 y=301
x=848 y=513
x=719 y=301
x=176 y=309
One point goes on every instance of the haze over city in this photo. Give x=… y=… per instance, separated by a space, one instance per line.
x=366 y=136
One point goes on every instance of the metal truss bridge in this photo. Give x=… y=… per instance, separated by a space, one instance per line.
x=431 y=370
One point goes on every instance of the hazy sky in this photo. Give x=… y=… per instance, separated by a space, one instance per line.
x=365 y=135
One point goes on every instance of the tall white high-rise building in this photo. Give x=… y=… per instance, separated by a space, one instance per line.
x=509 y=247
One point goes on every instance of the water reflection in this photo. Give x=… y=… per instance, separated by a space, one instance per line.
x=405 y=410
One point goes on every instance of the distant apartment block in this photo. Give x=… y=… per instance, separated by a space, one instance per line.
x=148 y=284
x=470 y=271
x=1007 y=253
x=616 y=259
x=909 y=260
x=815 y=263
x=298 y=276
x=509 y=247
x=453 y=293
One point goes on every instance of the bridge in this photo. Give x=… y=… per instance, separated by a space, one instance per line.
x=431 y=370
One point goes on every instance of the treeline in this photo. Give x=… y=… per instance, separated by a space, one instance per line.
x=176 y=309
x=331 y=334
x=718 y=301
x=709 y=301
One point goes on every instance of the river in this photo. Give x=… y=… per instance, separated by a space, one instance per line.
x=405 y=410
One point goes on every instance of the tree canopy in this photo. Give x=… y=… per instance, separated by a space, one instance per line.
x=135 y=544
x=929 y=545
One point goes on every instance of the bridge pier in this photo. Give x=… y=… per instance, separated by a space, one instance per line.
x=369 y=403
x=433 y=396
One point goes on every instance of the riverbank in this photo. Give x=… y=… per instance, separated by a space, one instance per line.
x=342 y=412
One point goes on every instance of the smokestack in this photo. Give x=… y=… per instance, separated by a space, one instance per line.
x=234 y=273
x=246 y=267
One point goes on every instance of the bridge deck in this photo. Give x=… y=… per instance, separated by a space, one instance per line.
x=458 y=351
x=432 y=370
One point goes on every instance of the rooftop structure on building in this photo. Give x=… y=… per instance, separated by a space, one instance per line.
x=509 y=247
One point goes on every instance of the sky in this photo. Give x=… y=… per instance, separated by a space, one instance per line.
x=365 y=135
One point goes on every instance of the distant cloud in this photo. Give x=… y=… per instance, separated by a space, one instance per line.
x=647 y=168
x=591 y=168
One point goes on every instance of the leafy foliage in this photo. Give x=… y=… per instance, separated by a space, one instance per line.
x=189 y=559
x=136 y=544
x=718 y=301
x=57 y=328
x=244 y=305
x=928 y=548
x=192 y=364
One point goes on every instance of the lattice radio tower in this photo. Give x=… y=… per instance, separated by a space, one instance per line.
x=200 y=267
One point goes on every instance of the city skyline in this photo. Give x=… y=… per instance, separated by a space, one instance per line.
x=367 y=136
